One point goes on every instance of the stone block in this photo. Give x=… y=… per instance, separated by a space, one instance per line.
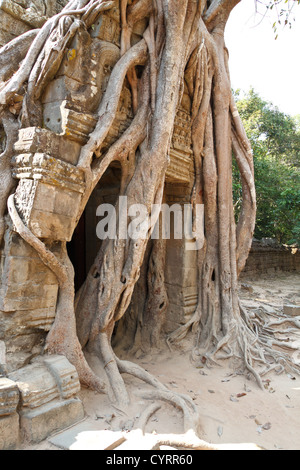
x=50 y=378
x=43 y=167
x=33 y=140
x=22 y=344
x=291 y=310
x=9 y=432
x=36 y=425
x=48 y=195
x=107 y=28
x=59 y=92
x=22 y=270
x=36 y=385
x=190 y=301
x=73 y=125
x=27 y=285
x=65 y=375
x=37 y=297
x=9 y=397
x=16 y=246
x=21 y=323
x=180 y=167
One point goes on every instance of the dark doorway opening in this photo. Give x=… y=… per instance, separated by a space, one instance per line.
x=77 y=253
x=84 y=246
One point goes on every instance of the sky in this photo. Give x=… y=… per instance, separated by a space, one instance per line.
x=271 y=67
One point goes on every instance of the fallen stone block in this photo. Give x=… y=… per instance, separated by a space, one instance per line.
x=37 y=424
x=51 y=378
x=65 y=375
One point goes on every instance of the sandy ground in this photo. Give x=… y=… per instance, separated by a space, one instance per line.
x=233 y=409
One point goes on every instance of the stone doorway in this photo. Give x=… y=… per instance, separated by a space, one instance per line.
x=85 y=244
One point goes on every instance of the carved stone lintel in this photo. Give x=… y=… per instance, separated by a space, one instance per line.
x=34 y=140
x=180 y=167
x=107 y=26
x=48 y=195
x=64 y=121
x=44 y=168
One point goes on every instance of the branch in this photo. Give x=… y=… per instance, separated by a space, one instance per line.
x=219 y=7
x=12 y=54
x=246 y=223
x=137 y=55
x=48 y=258
x=138 y=11
x=24 y=71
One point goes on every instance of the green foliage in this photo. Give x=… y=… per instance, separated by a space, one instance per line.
x=275 y=139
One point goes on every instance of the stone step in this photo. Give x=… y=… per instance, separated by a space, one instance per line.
x=291 y=310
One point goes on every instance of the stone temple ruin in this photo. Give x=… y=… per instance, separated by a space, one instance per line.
x=38 y=394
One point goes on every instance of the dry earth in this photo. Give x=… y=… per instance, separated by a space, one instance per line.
x=232 y=407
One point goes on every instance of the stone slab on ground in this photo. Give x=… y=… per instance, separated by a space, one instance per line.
x=85 y=436
x=39 y=423
x=9 y=432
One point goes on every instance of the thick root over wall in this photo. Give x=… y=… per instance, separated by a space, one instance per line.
x=182 y=48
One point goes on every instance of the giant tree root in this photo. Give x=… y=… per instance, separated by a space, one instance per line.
x=62 y=338
x=252 y=341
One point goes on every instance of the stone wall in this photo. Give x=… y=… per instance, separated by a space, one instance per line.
x=267 y=257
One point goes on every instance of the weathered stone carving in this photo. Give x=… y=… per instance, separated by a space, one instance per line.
x=41 y=382
x=45 y=394
x=37 y=400
x=48 y=195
